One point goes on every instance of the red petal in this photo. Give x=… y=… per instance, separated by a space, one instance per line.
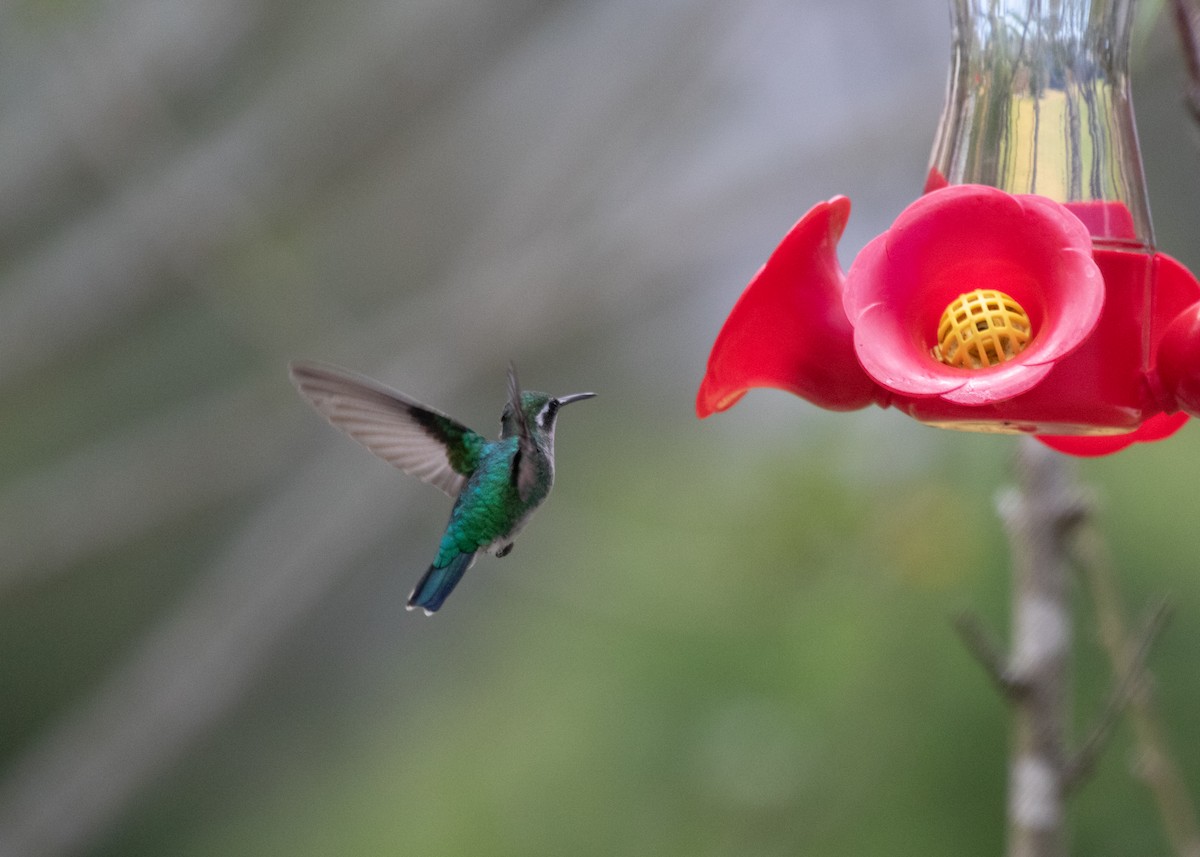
x=1158 y=427
x=788 y=329
x=1176 y=337
x=1179 y=360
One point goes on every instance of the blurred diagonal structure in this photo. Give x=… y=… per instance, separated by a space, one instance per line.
x=174 y=220
x=128 y=66
x=310 y=123
x=117 y=490
x=188 y=670
x=198 y=434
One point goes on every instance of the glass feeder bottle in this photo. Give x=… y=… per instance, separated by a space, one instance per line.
x=1038 y=101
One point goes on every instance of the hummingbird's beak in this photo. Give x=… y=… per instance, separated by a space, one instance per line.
x=574 y=397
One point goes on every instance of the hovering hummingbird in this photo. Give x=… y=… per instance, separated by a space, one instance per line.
x=496 y=484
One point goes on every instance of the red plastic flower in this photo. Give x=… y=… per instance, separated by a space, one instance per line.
x=960 y=239
x=1070 y=333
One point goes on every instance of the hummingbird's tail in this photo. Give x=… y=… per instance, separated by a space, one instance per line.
x=437 y=583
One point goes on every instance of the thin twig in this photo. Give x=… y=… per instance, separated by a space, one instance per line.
x=1155 y=764
x=1128 y=685
x=1187 y=22
x=986 y=649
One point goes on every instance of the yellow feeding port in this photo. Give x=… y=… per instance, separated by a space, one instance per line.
x=980 y=329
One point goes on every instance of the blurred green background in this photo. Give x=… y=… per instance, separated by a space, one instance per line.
x=718 y=638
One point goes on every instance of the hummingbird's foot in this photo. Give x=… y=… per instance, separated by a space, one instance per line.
x=505 y=551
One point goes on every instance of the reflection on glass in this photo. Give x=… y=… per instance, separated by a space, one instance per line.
x=1038 y=101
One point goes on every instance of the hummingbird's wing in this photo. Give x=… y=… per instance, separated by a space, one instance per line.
x=524 y=466
x=420 y=441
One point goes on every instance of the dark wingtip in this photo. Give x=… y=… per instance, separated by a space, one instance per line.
x=309 y=370
x=296 y=368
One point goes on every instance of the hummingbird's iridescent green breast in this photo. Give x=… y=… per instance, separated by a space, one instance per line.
x=490 y=509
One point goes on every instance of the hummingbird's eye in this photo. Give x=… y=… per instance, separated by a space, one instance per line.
x=545 y=416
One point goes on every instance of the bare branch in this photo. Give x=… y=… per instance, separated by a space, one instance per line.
x=1038 y=515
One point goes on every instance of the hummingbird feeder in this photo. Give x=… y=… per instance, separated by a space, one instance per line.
x=1022 y=292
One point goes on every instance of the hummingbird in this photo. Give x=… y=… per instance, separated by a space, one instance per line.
x=496 y=485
